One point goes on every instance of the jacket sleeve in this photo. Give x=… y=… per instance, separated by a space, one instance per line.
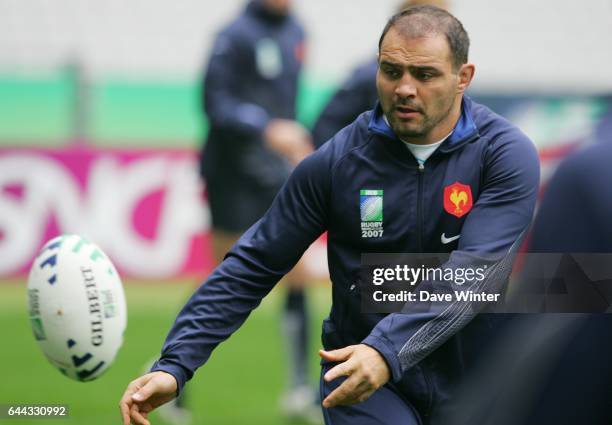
x=489 y=238
x=266 y=252
x=224 y=106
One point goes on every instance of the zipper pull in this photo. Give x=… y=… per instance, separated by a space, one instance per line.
x=421 y=167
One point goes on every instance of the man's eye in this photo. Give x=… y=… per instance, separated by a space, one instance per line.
x=424 y=76
x=392 y=73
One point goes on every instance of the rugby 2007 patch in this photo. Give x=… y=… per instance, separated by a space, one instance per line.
x=371 y=211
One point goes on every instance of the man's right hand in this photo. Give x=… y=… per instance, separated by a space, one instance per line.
x=289 y=139
x=145 y=394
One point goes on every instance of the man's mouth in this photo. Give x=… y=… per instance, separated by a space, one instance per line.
x=405 y=112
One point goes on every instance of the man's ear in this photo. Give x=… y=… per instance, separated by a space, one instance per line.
x=465 y=74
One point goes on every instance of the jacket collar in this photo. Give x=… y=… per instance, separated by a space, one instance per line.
x=464 y=132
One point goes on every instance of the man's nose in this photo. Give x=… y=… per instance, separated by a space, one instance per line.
x=406 y=86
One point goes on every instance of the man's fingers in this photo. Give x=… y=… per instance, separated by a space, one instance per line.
x=361 y=397
x=340 y=355
x=124 y=406
x=364 y=371
x=352 y=391
x=126 y=401
x=138 y=418
x=366 y=395
x=145 y=392
x=337 y=355
x=125 y=415
x=346 y=393
x=343 y=369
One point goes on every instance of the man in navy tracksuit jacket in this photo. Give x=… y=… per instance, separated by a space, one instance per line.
x=250 y=82
x=400 y=368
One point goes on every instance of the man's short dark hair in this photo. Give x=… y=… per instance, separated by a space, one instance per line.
x=418 y=21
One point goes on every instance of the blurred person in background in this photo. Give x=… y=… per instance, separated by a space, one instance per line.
x=358 y=93
x=576 y=210
x=423 y=138
x=249 y=97
x=575 y=218
x=250 y=90
x=552 y=368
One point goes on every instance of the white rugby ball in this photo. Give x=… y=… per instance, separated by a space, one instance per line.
x=76 y=306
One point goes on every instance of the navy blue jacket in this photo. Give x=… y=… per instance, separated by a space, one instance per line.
x=356 y=95
x=252 y=77
x=485 y=152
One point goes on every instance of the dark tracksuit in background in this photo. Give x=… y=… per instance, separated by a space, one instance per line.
x=252 y=77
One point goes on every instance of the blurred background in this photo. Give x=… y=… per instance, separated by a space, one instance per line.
x=100 y=128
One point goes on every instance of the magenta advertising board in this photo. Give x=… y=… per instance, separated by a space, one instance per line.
x=144 y=207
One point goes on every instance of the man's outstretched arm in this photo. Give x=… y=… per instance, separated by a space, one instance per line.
x=267 y=251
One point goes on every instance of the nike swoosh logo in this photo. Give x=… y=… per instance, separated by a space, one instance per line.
x=446 y=240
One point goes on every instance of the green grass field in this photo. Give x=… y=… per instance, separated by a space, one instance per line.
x=240 y=384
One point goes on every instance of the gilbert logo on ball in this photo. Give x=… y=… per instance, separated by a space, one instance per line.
x=76 y=306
